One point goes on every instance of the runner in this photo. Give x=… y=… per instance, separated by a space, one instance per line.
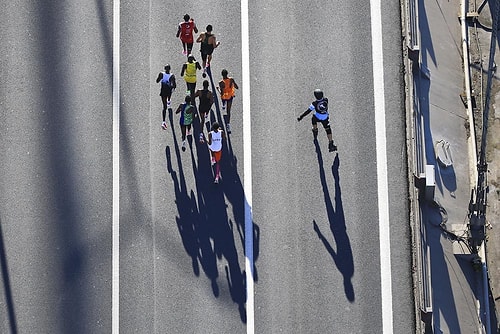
x=215 y=145
x=189 y=73
x=206 y=100
x=208 y=44
x=226 y=89
x=168 y=85
x=320 y=108
x=185 y=33
x=186 y=110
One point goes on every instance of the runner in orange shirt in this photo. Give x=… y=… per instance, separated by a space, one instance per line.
x=226 y=89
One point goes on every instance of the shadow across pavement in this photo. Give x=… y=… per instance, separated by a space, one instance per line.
x=342 y=254
x=207 y=231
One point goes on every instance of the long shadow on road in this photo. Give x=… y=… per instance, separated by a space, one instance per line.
x=6 y=285
x=206 y=230
x=342 y=255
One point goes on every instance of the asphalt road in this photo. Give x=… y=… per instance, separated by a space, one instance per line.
x=55 y=167
x=182 y=261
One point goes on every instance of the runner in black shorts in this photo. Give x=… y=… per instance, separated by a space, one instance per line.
x=168 y=85
x=208 y=44
x=206 y=100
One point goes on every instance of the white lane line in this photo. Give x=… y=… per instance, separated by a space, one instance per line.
x=381 y=142
x=247 y=166
x=115 y=283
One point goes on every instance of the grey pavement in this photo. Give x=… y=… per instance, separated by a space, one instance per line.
x=441 y=119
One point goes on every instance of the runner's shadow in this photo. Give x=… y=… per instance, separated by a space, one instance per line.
x=207 y=233
x=232 y=183
x=192 y=226
x=187 y=218
x=342 y=255
x=9 y=301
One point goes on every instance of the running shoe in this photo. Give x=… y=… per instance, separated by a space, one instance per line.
x=183 y=145
x=228 y=128
x=184 y=52
x=202 y=140
x=164 y=125
x=213 y=160
x=188 y=132
x=216 y=180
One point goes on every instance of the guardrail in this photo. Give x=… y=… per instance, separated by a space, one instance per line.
x=422 y=190
x=413 y=30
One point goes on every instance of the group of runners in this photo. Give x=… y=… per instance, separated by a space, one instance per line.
x=188 y=110
x=226 y=88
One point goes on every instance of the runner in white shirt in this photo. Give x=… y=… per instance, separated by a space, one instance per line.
x=215 y=137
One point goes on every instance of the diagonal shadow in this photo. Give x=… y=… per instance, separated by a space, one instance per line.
x=235 y=192
x=59 y=143
x=427 y=48
x=206 y=231
x=6 y=285
x=422 y=86
x=342 y=255
x=440 y=282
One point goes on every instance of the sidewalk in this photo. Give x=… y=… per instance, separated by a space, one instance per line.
x=438 y=82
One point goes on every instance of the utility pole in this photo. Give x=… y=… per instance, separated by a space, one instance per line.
x=479 y=195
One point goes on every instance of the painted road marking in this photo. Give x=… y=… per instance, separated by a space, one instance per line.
x=381 y=146
x=247 y=167
x=115 y=283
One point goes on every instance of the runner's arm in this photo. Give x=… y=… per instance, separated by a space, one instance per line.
x=172 y=82
x=183 y=69
x=235 y=85
x=304 y=114
x=178 y=31
x=160 y=76
x=200 y=38
x=214 y=42
x=179 y=108
x=220 y=88
x=211 y=98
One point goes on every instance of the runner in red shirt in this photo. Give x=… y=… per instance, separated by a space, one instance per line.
x=185 y=33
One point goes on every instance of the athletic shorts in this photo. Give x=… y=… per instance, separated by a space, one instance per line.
x=217 y=155
x=207 y=51
x=325 y=122
x=203 y=109
x=166 y=90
